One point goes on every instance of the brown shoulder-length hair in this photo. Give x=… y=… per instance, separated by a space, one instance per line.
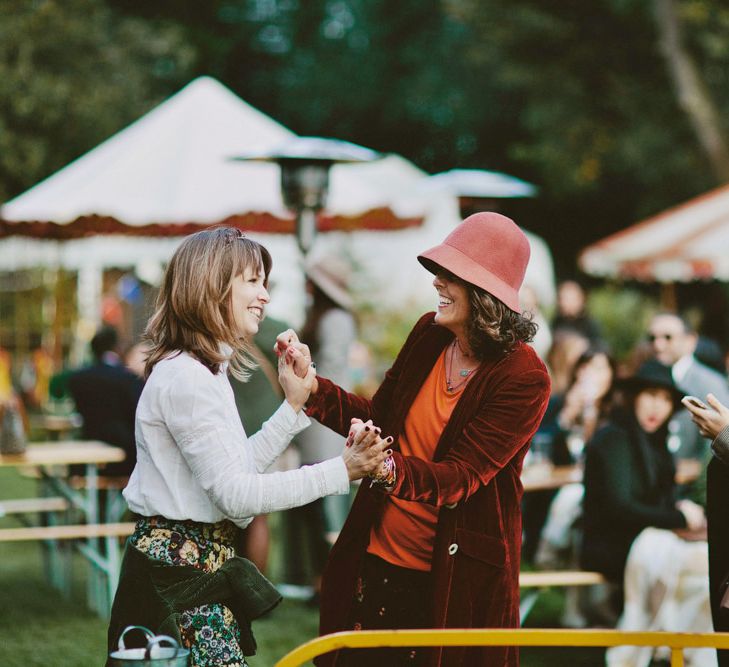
x=193 y=311
x=493 y=328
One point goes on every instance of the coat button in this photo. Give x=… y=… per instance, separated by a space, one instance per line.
x=452 y=549
x=451 y=506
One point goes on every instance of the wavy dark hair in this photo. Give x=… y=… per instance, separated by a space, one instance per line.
x=494 y=328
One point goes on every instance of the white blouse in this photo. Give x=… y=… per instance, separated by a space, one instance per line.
x=194 y=460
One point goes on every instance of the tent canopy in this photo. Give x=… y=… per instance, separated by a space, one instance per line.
x=685 y=243
x=170 y=173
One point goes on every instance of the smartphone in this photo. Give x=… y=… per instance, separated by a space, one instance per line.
x=696 y=402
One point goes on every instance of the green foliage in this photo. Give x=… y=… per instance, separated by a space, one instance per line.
x=386 y=331
x=71 y=74
x=623 y=314
x=599 y=125
x=572 y=95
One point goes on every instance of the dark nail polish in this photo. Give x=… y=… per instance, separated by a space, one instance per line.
x=388 y=452
x=367 y=428
x=389 y=438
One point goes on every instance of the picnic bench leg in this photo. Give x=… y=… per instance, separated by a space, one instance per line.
x=56 y=562
x=527 y=603
x=95 y=583
x=115 y=505
x=112 y=571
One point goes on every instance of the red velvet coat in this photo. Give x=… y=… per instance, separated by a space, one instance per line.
x=473 y=478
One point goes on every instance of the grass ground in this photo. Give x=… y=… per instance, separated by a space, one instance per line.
x=40 y=628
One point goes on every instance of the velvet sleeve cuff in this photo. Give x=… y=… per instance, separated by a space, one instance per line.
x=720 y=446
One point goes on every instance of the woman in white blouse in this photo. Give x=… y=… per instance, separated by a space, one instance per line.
x=198 y=475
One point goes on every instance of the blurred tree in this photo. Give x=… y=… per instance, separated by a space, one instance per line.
x=694 y=96
x=574 y=96
x=72 y=73
x=599 y=122
x=379 y=73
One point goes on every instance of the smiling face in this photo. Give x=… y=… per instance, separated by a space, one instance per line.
x=454 y=308
x=653 y=406
x=247 y=300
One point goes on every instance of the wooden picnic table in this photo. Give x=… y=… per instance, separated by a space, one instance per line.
x=541 y=477
x=50 y=459
x=64 y=452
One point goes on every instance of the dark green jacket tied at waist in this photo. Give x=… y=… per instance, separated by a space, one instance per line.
x=154 y=595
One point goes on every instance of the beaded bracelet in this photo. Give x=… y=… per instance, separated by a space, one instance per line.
x=387 y=476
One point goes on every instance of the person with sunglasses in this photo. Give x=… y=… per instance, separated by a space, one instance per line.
x=673 y=342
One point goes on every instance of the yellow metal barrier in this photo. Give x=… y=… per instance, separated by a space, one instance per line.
x=677 y=642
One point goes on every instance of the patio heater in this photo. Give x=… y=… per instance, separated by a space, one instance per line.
x=305 y=163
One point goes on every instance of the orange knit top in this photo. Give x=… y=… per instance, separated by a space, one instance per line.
x=405 y=535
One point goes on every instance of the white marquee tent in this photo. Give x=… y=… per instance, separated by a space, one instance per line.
x=169 y=173
x=685 y=243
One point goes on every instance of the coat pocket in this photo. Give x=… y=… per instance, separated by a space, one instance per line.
x=481 y=591
x=482 y=547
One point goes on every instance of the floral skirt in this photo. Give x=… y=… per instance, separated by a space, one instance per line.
x=209 y=631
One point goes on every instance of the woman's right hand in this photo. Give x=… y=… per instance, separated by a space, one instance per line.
x=710 y=422
x=365 y=450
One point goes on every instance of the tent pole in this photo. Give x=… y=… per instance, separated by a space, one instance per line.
x=58 y=311
x=89 y=290
x=669 y=301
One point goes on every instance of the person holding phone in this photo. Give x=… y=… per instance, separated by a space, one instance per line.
x=673 y=342
x=713 y=422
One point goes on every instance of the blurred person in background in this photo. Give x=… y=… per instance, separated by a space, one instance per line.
x=331 y=330
x=136 y=357
x=570 y=421
x=436 y=542
x=673 y=342
x=198 y=475
x=106 y=394
x=567 y=347
x=572 y=312
x=14 y=424
x=713 y=422
x=530 y=304
x=629 y=484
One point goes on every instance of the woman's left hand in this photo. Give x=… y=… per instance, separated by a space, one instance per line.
x=296 y=389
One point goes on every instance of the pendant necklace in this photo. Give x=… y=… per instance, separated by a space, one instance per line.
x=464 y=372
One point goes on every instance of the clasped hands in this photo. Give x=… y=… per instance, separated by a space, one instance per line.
x=366 y=453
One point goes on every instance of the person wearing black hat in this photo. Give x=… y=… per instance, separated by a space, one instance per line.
x=629 y=474
x=634 y=528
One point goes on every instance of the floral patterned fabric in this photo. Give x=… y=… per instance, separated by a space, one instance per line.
x=209 y=631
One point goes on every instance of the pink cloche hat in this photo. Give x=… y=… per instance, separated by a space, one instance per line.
x=487 y=250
